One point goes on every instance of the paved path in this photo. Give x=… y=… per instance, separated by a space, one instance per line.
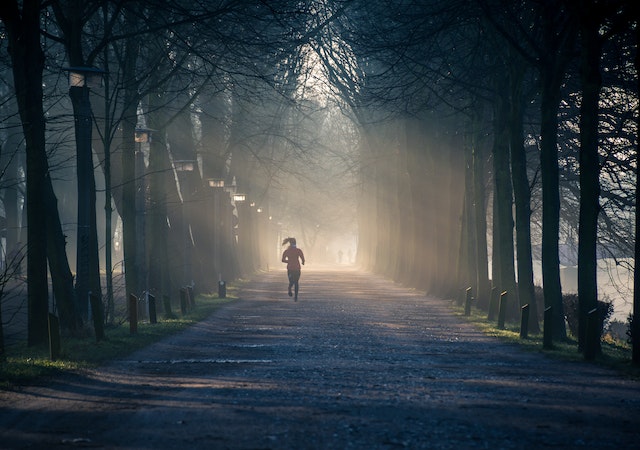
x=355 y=363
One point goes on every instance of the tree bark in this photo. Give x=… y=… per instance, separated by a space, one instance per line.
x=61 y=276
x=23 y=31
x=553 y=61
x=87 y=260
x=159 y=173
x=483 y=290
x=589 y=179
x=522 y=197
x=128 y=202
x=503 y=198
x=635 y=322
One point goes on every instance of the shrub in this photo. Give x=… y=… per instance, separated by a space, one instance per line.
x=572 y=312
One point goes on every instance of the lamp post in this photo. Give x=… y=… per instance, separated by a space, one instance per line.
x=185 y=167
x=241 y=231
x=217 y=186
x=142 y=136
x=81 y=80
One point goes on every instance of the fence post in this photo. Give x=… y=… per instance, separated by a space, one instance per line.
x=547 y=333
x=467 y=302
x=524 y=322
x=153 y=318
x=133 y=314
x=502 y=310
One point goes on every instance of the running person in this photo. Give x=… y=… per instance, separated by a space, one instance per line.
x=293 y=256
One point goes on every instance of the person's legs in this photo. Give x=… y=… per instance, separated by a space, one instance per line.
x=294 y=279
x=291 y=281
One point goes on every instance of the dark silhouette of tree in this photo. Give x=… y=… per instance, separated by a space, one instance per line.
x=22 y=25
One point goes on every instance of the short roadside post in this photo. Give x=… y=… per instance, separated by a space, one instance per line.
x=467 y=302
x=524 y=322
x=502 y=311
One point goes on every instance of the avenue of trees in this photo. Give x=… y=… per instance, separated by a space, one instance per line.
x=468 y=139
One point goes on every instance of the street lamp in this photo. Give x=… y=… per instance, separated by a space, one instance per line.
x=216 y=183
x=143 y=135
x=81 y=80
x=217 y=186
x=89 y=77
x=184 y=165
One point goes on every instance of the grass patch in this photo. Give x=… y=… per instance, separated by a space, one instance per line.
x=26 y=365
x=615 y=355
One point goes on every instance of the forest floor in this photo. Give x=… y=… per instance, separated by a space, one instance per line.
x=357 y=362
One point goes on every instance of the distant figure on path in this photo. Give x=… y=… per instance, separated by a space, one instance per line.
x=293 y=256
x=340 y=256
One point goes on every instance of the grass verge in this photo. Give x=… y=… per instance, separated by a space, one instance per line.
x=615 y=355
x=27 y=365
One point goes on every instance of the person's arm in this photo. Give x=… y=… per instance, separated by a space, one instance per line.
x=302 y=257
x=284 y=258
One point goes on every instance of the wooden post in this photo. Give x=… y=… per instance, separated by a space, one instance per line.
x=133 y=314
x=502 y=310
x=524 y=322
x=547 y=333
x=467 y=302
x=153 y=318
x=54 y=337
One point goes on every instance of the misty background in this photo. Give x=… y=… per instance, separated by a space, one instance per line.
x=444 y=145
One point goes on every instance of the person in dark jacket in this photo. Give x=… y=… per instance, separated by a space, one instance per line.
x=293 y=256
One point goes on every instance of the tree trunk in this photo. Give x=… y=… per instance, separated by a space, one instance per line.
x=483 y=290
x=128 y=147
x=551 y=203
x=23 y=31
x=421 y=268
x=160 y=178
x=87 y=260
x=467 y=260
x=503 y=199
x=61 y=276
x=13 y=182
x=635 y=323
x=522 y=196
x=558 y=40
x=589 y=180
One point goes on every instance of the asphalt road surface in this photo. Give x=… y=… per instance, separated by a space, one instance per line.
x=357 y=362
